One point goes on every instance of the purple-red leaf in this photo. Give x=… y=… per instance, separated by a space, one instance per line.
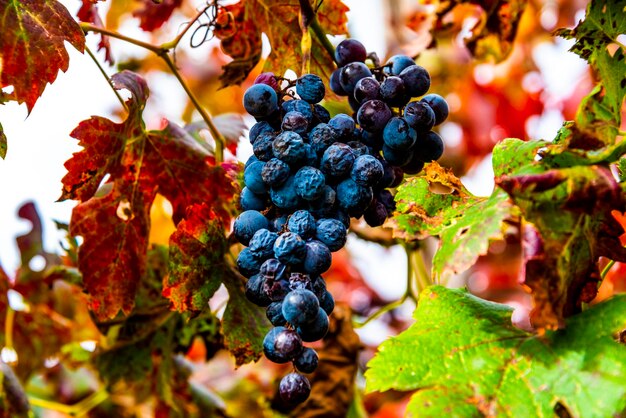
x=88 y=12
x=32 y=49
x=153 y=15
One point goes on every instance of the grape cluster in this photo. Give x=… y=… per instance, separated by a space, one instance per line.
x=309 y=175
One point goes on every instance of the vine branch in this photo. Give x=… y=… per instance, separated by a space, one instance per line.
x=106 y=76
x=162 y=52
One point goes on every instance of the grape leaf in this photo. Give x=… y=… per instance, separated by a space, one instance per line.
x=115 y=225
x=464 y=358
x=153 y=14
x=244 y=324
x=596 y=42
x=464 y=223
x=568 y=226
x=196 y=262
x=494 y=33
x=3 y=143
x=278 y=19
x=32 y=49
x=88 y=12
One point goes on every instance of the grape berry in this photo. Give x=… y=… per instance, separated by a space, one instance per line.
x=310 y=173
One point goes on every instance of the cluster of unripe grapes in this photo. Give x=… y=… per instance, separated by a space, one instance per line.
x=310 y=174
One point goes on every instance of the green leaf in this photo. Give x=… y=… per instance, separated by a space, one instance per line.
x=464 y=358
x=596 y=42
x=514 y=156
x=621 y=168
x=464 y=223
x=244 y=324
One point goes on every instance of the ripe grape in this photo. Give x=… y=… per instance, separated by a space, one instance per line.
x=294 y=388
x=348 y=51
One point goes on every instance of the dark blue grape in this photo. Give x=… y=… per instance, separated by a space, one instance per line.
x=393 y=92
x=290 y=248
x=373 y=115
x=351 y=74
x=349 y=50
x=262 y=147
x=374 y=140
x=285 y=196
x=301 y=222
x=376 y=214
x=289 y=147
x=300 y=281
x=367 y=170
x=310 y=88
x=274 y=313
x=255 y=292
x=396 y=64
x=416 y=80
x=398 y=173
x=319 y=287
x=335 y=84
x=262 y=243
x=277 y=288
x=420 y=116
x=318 y=258
x=399 y=135
x=397 y=157
x=320 y=114
x=315 y=330
x=327 y=302
x=386 y=198
x=310 y=183
x=388 y=175
x=321 y=137
x=367 y=88
x=281 y=345
x=260 y=100
x=259 y=128
x=252 y=177
x=307 y=361
x=296 y=122
x=294 y=388
x=299 y=106
x=439 y=106
x=311 y=159
x=359 y=148
x=415 y=165
x=341 y=216
x=337 y=160
x=331 y=232
x=277 y=224
x=343 y=126
x=353 y=197
x=272 y=269
x=275 y=172
x=248 y=263
x=300 y=307
x=325 y=204
x=247 y=223
x=252 y=201
x=250 y=160
x=429 y=147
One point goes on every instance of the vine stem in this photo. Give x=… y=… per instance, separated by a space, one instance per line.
x=79 y=409
x=106 y=76
x=309 y=20
x=162 y=52
x=607 y=268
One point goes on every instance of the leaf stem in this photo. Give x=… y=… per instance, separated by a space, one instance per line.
x=388 y=307
x=106 y=76
x=607 y=268
x=86 y=27
x=319 y=33
x=217 y=135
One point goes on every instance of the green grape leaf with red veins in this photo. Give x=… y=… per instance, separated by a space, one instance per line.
x=196 y=261
x=32 y=49
x=596 y=41
x=569 y=225
x=463 y=357
x=153 y=15
x=437 y=204
x=115 y=223
x=244 y=324
x=278 y=19
x=494 y=33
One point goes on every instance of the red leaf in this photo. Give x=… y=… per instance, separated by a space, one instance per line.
x=153 y=15
x=141 y=163
x=112 y=257
x=88 y=12
x=196 y=262
x=32 y=49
